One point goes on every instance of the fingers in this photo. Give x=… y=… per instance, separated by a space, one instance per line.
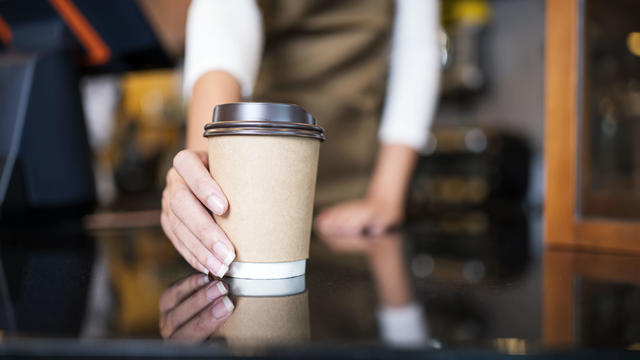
x=358 y=217
x=179 y=246
x=186 y=221
x=196 y=249
x=190 y=212
x=206 y=322
x=354 y=222
x=325 y=221
x=180 y=201
x=349 y=219
x=183 y=312
x=377 y=228
x=192 y=169
x=175 y=294
x=172 y=179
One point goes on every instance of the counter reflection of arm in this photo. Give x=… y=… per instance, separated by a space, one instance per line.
x=409 y=106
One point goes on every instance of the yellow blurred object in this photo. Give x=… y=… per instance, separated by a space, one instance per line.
x=633 y=43
x=140 y=270
x=150 y=125
x=512 y=346
x=145 y=94
x=470 y=12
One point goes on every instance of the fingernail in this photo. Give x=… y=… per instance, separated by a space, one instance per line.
x=215 y=204
x=222 y=288
x=217 y=268
x=216 y=290
x=222 y=271
x=222 y=308
x=203 y=280
x=224 y=251
x=203 y=269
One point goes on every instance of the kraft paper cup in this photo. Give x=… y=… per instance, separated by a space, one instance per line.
x=264 y=156
x=267 y=313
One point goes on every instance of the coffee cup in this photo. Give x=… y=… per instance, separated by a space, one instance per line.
x=264 y=156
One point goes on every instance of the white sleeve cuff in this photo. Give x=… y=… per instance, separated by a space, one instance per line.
x=223 y=35
x=414 y=72
x=403 y=326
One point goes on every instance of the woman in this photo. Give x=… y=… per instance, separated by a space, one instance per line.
x=366 y=69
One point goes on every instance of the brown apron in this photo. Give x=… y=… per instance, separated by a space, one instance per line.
x=331 y=57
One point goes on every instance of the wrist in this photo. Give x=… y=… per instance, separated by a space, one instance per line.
x=390 y=198
x=392 y=175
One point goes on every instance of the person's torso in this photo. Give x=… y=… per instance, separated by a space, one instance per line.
x=331 y=57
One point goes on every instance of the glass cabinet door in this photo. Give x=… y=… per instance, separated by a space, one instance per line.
x=609 y=115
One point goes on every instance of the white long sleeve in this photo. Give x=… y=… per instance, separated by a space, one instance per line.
x=223 y=35
x=414 y=74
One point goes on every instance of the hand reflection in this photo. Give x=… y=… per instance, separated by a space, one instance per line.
x=194 y=308
x=359 y=244
x=400 y=318
x=387 y=263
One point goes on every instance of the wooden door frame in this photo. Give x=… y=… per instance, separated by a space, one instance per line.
x=564 y=227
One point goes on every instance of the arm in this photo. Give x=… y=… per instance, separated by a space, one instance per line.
x=213 y=88
x=223 y=46
x=400 y=317
x=383 y=205
x=409 y=107
x=391 y=177
x=411 y=97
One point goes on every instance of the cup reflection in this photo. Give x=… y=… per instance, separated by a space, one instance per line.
x=268 y=313
x=262 y=313
x=401 y=320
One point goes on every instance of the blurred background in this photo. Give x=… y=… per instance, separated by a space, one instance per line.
x=479 y=179
x=97 y=86
x=491 y=104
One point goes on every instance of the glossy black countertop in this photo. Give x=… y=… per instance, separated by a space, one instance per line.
x=459 y=286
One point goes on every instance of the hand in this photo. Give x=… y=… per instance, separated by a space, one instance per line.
x=383 y=206
x=193 y=309
x=364 y=216
x=185 y=219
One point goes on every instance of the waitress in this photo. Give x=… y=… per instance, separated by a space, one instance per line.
x=366 y=69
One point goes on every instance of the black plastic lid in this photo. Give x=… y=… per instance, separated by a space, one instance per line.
x=252 y=118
